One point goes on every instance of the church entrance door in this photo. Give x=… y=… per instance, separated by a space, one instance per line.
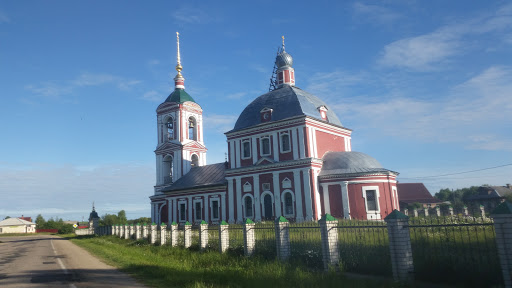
x=267 y=203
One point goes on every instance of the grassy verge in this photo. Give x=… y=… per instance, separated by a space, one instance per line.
x=177 y=267
x=25 y=234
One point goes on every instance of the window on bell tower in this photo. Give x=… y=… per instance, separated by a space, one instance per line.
x=195 y=161
x=170 y=128
x=192 y=128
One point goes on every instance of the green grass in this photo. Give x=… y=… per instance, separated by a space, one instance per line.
x=25 y=234
x=165 y=266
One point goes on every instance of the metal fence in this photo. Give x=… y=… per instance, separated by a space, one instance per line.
x=364 y=247
x=455 y=249
x=306 y=244
x=236 y=238
x=265 y=240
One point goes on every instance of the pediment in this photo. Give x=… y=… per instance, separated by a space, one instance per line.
x=195 y=145
x=265 y=160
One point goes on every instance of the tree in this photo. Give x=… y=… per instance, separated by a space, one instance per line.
x=40 y=222
x=7 y=217
x=121 y=215
x=109 y=219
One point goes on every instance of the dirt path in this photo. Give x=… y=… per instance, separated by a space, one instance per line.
x=51 y=261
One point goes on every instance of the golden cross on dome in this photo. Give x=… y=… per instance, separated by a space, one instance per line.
x=283 y=42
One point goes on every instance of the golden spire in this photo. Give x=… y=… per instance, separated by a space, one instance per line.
x=178 y=66
x=283 y=42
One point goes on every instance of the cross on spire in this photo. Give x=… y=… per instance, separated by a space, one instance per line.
x=283 y=41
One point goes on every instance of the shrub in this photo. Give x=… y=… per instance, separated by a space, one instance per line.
x=66 y=229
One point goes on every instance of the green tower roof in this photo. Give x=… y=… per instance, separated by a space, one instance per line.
x=179 y=96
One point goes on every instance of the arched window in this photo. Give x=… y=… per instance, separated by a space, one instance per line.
x=248 y=207
x=285 y=143
x=288 y=203
x=265 y=146
x=195 y=161
x=168 y=169
x=170 y=128
x=192 y=128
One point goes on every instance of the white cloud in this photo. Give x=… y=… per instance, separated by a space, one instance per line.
x=475 y=113
x=49 y=90
x=374 y=13
x=152 y=96
x=236 y=96
x=219 y=123
x=432 y=50
x=67 y=191
x=191 y=15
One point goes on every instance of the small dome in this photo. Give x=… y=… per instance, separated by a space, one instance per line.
x=284 y=59
x=350 y=162
x=93 y=215
x=179 y=96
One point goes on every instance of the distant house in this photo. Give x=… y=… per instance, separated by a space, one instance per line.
x=490 y=196
x=409 y=193
x=17 y=225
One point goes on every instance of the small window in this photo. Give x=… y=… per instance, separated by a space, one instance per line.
x=248 y=207
x=246 y=149
x=288 y=203
x=195 y=161
x=285 y=143
x=170 y=129
x=266 y=186
x=198 y=210
x=371 y=201
x=215 y=209
x=265 y=146
x=182 y=212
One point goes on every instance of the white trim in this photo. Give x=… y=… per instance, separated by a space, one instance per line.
x=281 y=135
x=247 y=187
x=373 y=214
x=242 y=149
x=307 y=195
x=190 y=210
x=302 y=150
x=254 y=150
x=239 y=198
x=284 y=203
x=286 y=183
x=317 y=194
x=169 y=211
x=179 y=211
x=232 y=154
x=205 y=207
x=275 y=144
x=395 y=197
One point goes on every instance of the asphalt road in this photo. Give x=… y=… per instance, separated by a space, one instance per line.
x=51 y=261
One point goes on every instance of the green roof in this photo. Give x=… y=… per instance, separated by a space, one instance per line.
x=179 y=96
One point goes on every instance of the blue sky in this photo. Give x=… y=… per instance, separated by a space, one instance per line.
x=425 y=85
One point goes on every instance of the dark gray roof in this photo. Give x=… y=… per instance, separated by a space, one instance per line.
x=335 y=163
x=286 y=102
x=490 y=192
x=208 y=175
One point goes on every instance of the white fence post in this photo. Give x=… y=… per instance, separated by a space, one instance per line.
x=249 y=237
x=329 y=234
x=163 y=234
x=502 y=216
x=144 y=231
x=126 y=231
x=400 y=246
x=203 y=235
x=282 y=238
x=174 y=234
x=188 y=234
x=223 y=236
x=152 y=236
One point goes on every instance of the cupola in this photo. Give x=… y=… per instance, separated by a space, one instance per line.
x=285 y=71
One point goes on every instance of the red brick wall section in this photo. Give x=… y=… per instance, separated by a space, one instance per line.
x=335 y=201
x=328 y=142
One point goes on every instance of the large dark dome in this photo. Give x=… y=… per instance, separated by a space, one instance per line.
x=286 y=102
x=348 y=163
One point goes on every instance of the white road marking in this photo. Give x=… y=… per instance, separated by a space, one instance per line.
x=71 y=285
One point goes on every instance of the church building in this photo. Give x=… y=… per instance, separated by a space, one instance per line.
x=288 y=155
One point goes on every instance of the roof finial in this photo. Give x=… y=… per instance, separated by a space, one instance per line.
x=283 y=41
x=178 y=66
x=92 y=205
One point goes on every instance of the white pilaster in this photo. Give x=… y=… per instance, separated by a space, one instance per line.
x=175 y=210
x=169 y=211
x=190 y=208
x=307 y=195
x=206 y=205
x=327 y=204
x=158 y=170
x=277 y=194
x=239 y=218
x=232 y=154
x=275 y=143
x=344 y=199
x=301 y=143
x=222 y=204
x=298 y=195
x=257 y=204
x=316 y=187
x=153 y=212
x=231 y=201
x=237 y=147
x=295 y=145
x=254 y=150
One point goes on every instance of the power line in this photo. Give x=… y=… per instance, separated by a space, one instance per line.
x=449 y=174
